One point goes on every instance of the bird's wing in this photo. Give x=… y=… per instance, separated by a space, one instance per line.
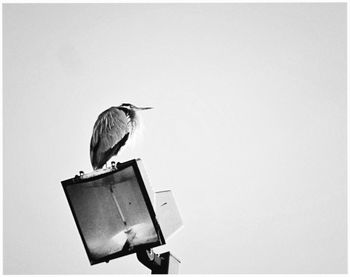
x=110 y=127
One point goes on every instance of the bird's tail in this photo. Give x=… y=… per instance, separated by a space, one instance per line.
x=112 y=152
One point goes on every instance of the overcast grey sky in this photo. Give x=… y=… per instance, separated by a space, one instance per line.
x=248 y=130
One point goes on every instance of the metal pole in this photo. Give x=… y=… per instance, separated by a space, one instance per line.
x=158 y=264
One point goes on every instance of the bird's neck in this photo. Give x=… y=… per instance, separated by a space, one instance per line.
x=132 y=117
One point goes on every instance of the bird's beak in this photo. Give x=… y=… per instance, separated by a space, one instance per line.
x=145 y=108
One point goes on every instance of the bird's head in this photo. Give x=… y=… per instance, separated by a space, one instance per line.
x=133 y=107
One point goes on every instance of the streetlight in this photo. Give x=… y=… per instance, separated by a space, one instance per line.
x=114 y=212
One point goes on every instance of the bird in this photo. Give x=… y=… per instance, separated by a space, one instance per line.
x=111 y=131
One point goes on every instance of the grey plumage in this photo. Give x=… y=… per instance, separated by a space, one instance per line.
x=112 y=129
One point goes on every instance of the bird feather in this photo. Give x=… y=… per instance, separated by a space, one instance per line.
x=110 y=128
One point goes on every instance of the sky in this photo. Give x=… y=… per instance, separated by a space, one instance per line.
x=248 y=129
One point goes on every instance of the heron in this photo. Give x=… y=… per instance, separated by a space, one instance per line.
x=111 y=131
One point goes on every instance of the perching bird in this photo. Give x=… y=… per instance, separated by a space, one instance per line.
x=112 y=129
